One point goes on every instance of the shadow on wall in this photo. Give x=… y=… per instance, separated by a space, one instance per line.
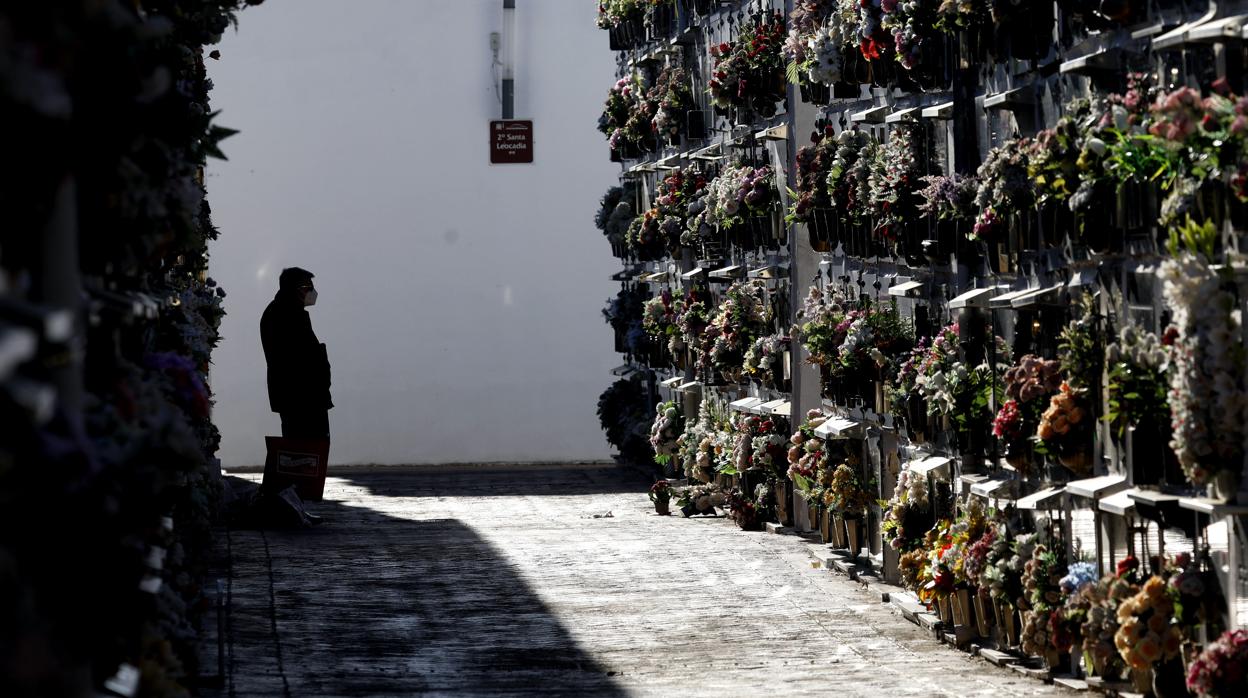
x=375 y=605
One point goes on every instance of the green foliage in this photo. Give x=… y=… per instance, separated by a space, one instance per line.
x=1139 y=158
x=1081 y=347
x=792 y=72
x=1199 y=239
x=1136 y=395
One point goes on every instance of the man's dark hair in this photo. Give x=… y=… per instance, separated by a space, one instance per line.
x=293 y=277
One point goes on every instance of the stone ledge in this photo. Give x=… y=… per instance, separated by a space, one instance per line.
x=998 y=657
x=1071 y=683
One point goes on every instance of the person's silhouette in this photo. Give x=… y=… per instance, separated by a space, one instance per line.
x=298 y=375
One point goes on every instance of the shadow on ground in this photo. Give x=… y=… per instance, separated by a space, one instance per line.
x=494 y=480
x=369 y=604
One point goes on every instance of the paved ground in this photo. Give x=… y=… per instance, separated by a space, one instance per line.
x=502 y=582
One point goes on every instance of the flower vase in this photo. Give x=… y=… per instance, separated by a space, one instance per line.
x=1142 y=680
x=1224 y=485
x=944 y=610
x=1096 y=662
x=662 y=508
x=1056 y=661
x=838 y=532
x=962 y=607
x=851 y=536
x=1021 y=456
x=817 y=244
x=1169 y=679
x=825 y=525
x=1079 y=462
x=983 y=622
x=1007 y=622
x=815 y=93
x=780 y=490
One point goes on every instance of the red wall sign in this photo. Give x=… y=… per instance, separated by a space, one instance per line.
x=511 y=141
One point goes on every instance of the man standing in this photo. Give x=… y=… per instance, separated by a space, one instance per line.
x=298 y=365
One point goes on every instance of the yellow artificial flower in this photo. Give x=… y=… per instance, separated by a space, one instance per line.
x=1155 y=587
x=1158 y=623
x=1174 y=641
x=1149 y=648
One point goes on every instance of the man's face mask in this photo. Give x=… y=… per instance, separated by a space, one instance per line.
x=309 y=297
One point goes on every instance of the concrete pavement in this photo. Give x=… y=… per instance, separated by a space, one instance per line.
x=558 y=580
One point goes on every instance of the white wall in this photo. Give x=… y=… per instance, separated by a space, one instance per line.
x=460 y=301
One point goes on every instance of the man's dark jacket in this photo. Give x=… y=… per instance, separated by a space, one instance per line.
x=298 y=364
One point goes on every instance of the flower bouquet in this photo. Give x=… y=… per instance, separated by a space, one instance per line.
x=644 y=239
x=749 y=72
x=1136 y=392
x=767 y=447
x=691 y=321
x=908 y=513
x=949 y=197
x=1207 y=401
x=896 y=180
x=848 y=496
x=661 y=496
x=812 y=50
x=1221 y=670
x=817 y=320
x=1005 y=189
x=744 y=315
x=967 y=529
x=665 y=432
x=700 y=500
x=1042 y=576
x=1100 y=624
x=1027 y=388
x=671 y=206
x=811 y=202
x=659 y=316
x=764 y=360
x=1147 y=634
x=624 y=313
x=974 y=563
x=807 y=456
x=736 y=204
x=625 y=413
x=1007 y=562
x=1065 y=429
x=695 y=445
x=918 y=44
x=624 y=20
x=672 y=94
x=615 y=214
x=744 y=510
x=848 y=178
x=613 y=12
x=937 y=583
x=626 y=118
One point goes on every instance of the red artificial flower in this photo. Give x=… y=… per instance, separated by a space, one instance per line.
x=869 y=47
x=1170 y=336
x=1127 y=565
